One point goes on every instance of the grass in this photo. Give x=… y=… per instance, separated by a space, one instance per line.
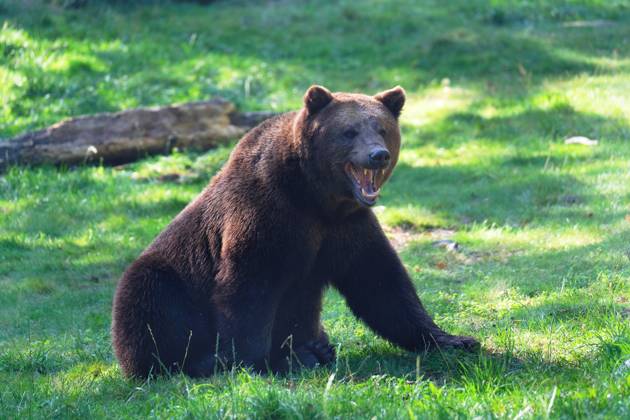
x=494 y=87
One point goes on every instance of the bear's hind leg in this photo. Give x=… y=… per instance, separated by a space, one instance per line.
x=157 y=327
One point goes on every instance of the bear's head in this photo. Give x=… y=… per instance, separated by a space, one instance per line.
x=349 y=143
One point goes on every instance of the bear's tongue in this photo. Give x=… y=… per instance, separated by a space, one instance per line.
x=367 y=180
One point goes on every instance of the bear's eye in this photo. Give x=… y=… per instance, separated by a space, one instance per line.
x=382 y=132
x=350 y=133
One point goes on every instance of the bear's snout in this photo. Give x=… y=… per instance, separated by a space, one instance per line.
x=378 y=158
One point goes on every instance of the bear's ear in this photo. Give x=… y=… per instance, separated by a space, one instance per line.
x=316 y=98
x=393 y=99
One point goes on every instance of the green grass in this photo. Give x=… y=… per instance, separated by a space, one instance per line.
x=494 y=87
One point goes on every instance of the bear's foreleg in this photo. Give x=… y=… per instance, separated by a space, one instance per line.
x=245 y=316
x=380 y=292
x=299 y=339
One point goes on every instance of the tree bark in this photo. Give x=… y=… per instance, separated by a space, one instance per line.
x=130 y=135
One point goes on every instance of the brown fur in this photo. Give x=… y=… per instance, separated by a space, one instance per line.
x=239 y=275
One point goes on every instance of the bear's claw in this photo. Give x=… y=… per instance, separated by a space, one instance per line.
x=314 y=353
x=324 y=352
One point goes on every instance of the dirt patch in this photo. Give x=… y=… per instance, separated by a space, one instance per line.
x=400 y=237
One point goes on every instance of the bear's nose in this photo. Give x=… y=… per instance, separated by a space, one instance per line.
x=379 y=158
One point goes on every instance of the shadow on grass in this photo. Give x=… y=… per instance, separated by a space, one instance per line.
x=356 y=47
x=469 y=194
x=603 y=263
x=360 y=362
x=520 y=182
x=522 y=130
x=439 y=365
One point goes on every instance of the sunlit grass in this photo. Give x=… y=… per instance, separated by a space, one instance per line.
x=541 y=274
x=601 y=94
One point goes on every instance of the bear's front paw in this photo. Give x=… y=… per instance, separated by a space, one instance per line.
x=457 y=341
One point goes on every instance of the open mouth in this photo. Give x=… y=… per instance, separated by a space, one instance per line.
x=367 y=183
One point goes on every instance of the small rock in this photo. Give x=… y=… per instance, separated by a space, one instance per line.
x=624 y=368
x=588 y=23
x=447 y=244
x=570 y=199
x=585 y=141
x=172 y=177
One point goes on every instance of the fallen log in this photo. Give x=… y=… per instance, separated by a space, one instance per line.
x=114 y=138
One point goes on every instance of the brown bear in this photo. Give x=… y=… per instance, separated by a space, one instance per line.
x=238 y=276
